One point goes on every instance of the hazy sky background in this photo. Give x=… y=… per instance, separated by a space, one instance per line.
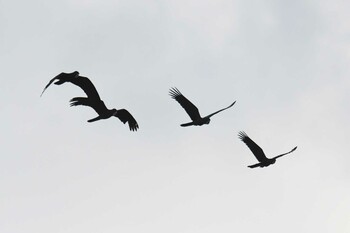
x=285 y=62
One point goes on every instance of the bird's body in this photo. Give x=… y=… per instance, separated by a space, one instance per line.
x=258 y=152
x=93 y=99
x=192 y=110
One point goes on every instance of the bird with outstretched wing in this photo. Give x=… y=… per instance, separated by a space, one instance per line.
x=191 y=109
x=258 y=152
x=93 y=99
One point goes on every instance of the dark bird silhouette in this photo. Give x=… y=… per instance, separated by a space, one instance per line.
x=258 y=152
x=191 y=109
x=93 y=99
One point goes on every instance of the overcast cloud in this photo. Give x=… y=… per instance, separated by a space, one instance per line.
x=286 y=63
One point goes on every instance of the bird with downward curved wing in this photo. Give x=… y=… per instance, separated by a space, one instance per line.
x=93 y=99
x=191 y=109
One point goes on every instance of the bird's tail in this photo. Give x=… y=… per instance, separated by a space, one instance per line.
x=255 y=165
x=187 y=124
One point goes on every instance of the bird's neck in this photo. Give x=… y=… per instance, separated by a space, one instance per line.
x=112 y=112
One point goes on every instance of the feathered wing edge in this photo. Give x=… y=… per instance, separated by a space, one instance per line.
x=253 y=147
x=189 y=107
x=124 y=116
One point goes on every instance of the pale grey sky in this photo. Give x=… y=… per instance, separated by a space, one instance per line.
x=285 y=62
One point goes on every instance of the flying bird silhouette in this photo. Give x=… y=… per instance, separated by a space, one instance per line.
x=258 y=152
x=191 y=109
x=93 y=99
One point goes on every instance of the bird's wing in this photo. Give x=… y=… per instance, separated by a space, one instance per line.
x=125 y=116
x=210 y=115
x=87 y=86
x=57 y=77
x=257 y=151
x=98 y=105
x=51 y=81
x=285 y=153
x=190 y=108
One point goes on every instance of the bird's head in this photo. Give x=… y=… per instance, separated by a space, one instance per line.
x=76 y=74
x=207 y=121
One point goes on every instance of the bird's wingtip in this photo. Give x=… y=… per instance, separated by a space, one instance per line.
x=174 y=92
x=135 y=128
x=242 y=134
x=42 y=92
